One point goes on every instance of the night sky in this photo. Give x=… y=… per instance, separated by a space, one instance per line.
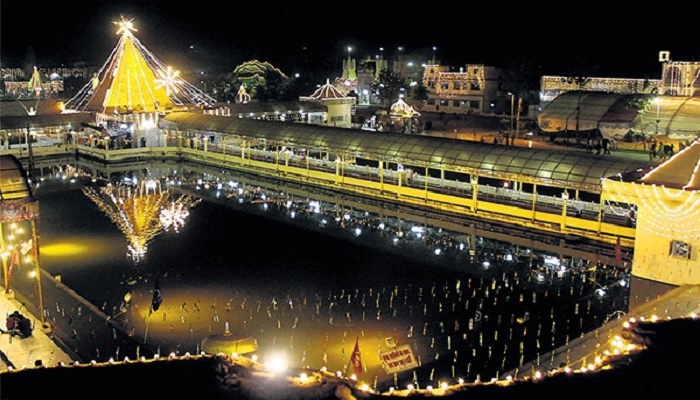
x=615 y=38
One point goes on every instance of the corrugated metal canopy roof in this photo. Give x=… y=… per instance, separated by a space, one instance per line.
x=43 y=121
x=281 y=107
x=562 y=168
x=13 y=179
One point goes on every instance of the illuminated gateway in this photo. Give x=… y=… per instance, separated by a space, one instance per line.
x=133 y=88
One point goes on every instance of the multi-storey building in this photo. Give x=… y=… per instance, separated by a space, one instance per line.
x=678 y=78
x=681 y=78
x=552 y=86
x=16 y=82
x=472 y=90
x=366 y=72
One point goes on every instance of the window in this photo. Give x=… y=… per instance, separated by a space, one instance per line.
x=456 y=85
x=456 y=103
x=680 y=249
x=444 y=103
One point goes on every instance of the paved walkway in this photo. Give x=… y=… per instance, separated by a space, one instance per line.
x=39 y=349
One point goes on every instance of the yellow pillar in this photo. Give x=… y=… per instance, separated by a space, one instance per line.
x=35 y=238
x=4 y=259
x=534 y=201
x=600 y=211
x=426 y=182
x=474 y=180
x=337 y=169
x=381 y=175
x=277 y=158
x=286 y=161
x=565 y=200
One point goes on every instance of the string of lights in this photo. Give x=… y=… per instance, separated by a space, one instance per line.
x=135 y=80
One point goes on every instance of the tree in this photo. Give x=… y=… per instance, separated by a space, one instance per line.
x=262 y=80
x=420 y=92
x=387 y=86
x=297 y=87
x=271 y=88
x=521 y=76
x=642 y=104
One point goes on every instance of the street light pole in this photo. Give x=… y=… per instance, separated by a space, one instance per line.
x=657 y=100
x=512 y=104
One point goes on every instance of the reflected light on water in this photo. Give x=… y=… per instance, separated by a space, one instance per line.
x=65 y=249
x=79 y=248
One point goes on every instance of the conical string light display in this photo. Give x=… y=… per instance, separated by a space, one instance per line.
x=134 y=80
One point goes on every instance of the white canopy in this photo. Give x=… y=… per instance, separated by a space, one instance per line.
x=614 y=116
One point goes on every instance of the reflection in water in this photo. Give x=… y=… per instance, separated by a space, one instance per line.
x=308 y=273
x=141 y=210
x=66 y=249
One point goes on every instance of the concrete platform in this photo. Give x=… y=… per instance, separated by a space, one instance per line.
x=34 y=351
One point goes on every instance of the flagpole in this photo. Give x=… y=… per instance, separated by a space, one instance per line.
x=347 y=367
x=148 y=318
x=14 y=260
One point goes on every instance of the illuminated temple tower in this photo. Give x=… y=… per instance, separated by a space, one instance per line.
x=133 y=88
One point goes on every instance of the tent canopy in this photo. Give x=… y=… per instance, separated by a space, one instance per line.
x=677 y=117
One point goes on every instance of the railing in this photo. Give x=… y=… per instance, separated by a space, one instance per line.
x=504 y=204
